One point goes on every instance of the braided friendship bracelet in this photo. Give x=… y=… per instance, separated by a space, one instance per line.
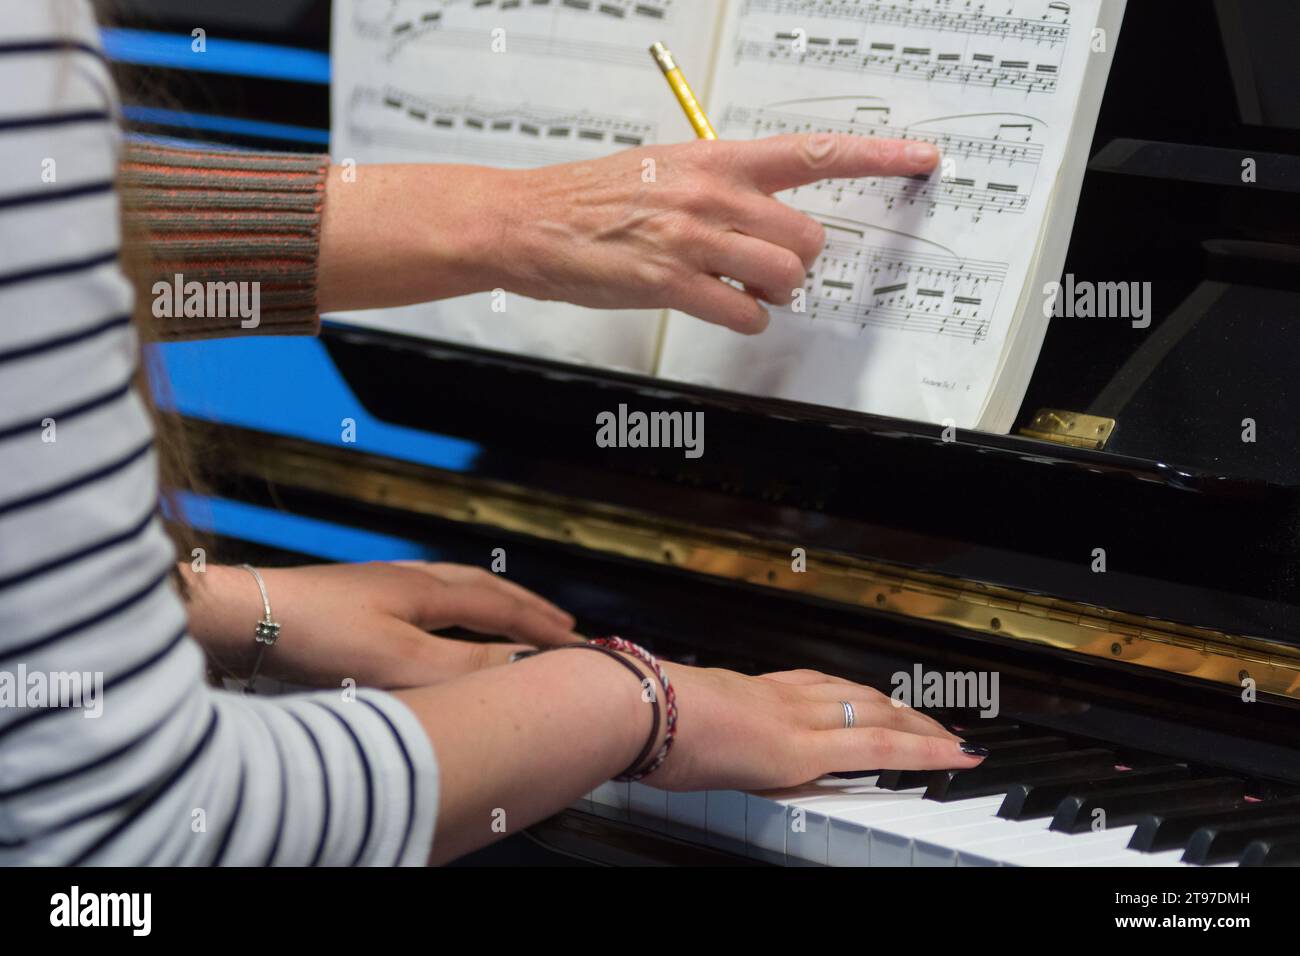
x=640 y=679
x=670 y=704
x=616 y=647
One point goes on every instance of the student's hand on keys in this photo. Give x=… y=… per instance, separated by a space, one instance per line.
x=656 y=227
x=371 y=622
x=784 y=729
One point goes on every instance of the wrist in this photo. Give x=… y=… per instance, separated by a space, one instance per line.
x=654 y=727
x=472 y=227
x=223 y=606
x=399 y=234
x=656 y=695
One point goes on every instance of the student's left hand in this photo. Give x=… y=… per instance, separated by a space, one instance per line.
x=369 y=622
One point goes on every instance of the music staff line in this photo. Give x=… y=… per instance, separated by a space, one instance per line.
x=902 y=290
x=847 y=243
x=958 y=192
x=897 y=318
x=960 y=145
x=539 y=123
x=892 y=13
x=434 y=24
x=648 y=10
x=912 y=63
x=506 y=133
x=591 y=51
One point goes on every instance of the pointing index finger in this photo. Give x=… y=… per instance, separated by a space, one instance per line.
x=794 y=159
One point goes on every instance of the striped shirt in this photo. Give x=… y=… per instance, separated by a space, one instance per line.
x=169 y=771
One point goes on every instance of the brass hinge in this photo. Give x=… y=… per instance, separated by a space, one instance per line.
x=970 y=606
x=1070 y=428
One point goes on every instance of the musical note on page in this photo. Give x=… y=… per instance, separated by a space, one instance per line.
x=513 y=84
x=995 y=156
x=500 y=134
x=562 y=29
x=885 y=286
x=1051 y=27
x=915 y=304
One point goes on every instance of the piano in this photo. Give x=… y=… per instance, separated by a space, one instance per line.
x=1126 y=561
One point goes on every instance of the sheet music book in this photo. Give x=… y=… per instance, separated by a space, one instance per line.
x=929 y=299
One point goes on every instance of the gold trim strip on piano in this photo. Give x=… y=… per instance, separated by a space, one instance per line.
x=1221 y=658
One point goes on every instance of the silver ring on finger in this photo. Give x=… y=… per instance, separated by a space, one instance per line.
x=848 y=714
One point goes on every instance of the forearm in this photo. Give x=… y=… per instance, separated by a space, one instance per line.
x=526 y=740
x=399 y=234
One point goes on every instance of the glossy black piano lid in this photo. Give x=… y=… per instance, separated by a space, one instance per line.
x=1198 y=526
x=1181 y=544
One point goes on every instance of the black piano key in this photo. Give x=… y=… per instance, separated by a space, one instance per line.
x=960 y=724
x=1030 y=801
x=1171 y=831
x=995 y=776
x=1272 y=852
x=996 y=732
x=1124 y=806
x=993 y=731
x=1226 y=842
x=902 y=779
x=998 y=750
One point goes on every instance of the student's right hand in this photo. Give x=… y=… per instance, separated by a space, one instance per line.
x=784 y=729
x=520 y=742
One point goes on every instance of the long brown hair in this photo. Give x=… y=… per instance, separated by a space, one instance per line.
x=177 y=471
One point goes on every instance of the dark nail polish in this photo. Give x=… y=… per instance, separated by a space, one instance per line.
x=973 y=750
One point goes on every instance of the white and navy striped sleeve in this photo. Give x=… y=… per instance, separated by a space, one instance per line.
x=160 y=768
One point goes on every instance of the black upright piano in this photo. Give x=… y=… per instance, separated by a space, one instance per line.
x=1137 y=593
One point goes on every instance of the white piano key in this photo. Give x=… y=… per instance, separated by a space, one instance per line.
x=725 y=814
x=808 y=837
x=848 y=844
x=948 y=844
x=688 y=809
x=1137 y=858
x=970 y=841
x=894 y=837
x=889 y=849
x=829 y=833
x=872 y=803
x=648 y=804
x=930 y=815
x=1043 y=847
x=611 y=797
x=854 y=831
x=769 y=824
x=766 y=823
x=804 y=815
x=974 y=859
x=1105 y=844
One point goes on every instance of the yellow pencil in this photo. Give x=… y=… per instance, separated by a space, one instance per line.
x=682 y=90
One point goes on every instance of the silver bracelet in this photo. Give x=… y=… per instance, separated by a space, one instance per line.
x=267 y=631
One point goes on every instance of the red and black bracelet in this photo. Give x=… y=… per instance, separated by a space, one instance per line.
x=670 y=705
x=616 y=647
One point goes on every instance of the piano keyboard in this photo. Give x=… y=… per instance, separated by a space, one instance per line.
x=1037 y=800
